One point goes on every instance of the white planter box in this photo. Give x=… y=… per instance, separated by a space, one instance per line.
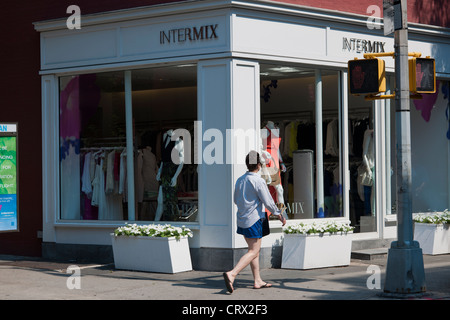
x=316 y=251
x=433 y=238
x=153 y=254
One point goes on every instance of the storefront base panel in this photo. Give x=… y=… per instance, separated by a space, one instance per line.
x=203 y=259
x=223 y=259
x=371 y=244
x=77 y=252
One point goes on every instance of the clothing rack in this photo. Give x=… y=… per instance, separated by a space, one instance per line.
x=288 y=116
x=101 y=148
x=164 y=124
x=104 y=142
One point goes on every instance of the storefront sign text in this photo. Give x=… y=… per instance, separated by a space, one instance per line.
x=362 y=45
x=188 y=34
x=8 y=178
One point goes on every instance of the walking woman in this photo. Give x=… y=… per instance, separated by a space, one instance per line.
x=251 y=195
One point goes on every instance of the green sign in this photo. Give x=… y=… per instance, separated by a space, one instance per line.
x=8 y=178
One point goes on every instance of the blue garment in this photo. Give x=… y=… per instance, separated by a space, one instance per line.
x=251 y=194
x=255 y=231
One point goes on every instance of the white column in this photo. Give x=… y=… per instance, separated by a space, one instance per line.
x=50 y=157
x=319 y=144
x=228 y=98
x=130 y=147
x=343 y=145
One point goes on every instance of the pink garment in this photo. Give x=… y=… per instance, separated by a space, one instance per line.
x=70 y=110
x=90 y=212
x=427 y=102
x=116 y=166
x=272 y=144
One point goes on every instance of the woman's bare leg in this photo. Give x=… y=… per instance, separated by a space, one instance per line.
x=252 y=258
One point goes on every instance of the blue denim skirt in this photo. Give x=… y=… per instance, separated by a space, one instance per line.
x=255 y=231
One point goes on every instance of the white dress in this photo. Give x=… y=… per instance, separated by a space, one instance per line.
x=70 y=185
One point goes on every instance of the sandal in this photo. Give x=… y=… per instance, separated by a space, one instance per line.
x=265 y=285
x=228 y=283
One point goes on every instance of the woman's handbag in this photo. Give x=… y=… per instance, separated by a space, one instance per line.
x=271 y=179
x=365 y=176
x=265 y=226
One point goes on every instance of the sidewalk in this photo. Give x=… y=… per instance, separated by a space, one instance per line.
x=23 y=278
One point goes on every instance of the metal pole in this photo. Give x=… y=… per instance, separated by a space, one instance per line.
x=404 y=271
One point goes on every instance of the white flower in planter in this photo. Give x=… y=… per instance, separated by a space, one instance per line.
x=153 y=230
x=318 y=227
x=433 y=218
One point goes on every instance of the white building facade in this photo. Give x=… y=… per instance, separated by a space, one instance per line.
x=220 y=71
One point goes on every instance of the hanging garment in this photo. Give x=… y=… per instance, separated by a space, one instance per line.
x=92 y=167
x=109 y=205
x=109 y=186
x=102 y=210
x=70 y=184
x=86 y=184
x=138 y=177
x=90 y=212
x=96 y=186
x=123 y=176
x=287 y=139
x=369 y=149
x=332 y=146
x=293 y=145
x=306 y=136
x=358 y=137
x=149 y=170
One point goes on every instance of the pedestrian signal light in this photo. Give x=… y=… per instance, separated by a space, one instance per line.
x=422 y=75
x=366 y=76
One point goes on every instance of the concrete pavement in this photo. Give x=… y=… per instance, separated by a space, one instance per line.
x=23 y=278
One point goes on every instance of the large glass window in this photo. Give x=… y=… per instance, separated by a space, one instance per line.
x=165 y=106
x=362 y=163
x=92 y=138
x=94 y=163
x=301 y=137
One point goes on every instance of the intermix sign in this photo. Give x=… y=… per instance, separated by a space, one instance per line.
x=8 y=178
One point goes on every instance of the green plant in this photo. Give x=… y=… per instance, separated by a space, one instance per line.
x=153 y=230
x=433 y=218
x=318 y=227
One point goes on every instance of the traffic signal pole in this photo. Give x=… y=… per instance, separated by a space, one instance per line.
x=405 y=270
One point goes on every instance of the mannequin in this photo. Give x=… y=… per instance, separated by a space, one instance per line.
x=167 y=174
x=271 y=152
x=369 y=164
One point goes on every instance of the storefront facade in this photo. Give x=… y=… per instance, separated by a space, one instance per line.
x=215 y=73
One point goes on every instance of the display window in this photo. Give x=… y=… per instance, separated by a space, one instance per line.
x=94 y=170
x=301 y=135
x=164 y=111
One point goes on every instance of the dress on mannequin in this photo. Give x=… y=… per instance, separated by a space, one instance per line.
x=167 y=174
x=271 y=144
x=369 y=165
